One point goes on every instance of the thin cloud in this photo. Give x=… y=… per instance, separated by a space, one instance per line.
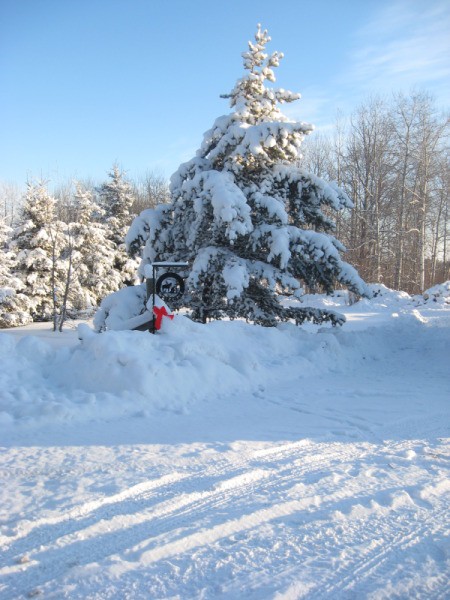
x=407 y=44
x=314 y=104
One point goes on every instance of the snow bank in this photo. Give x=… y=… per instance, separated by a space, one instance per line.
x=381 y=297
x=126 y=372
x=381 y=292
x=119 y=373
x=439 y=293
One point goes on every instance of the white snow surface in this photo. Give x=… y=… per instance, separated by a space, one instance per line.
x=228 y=460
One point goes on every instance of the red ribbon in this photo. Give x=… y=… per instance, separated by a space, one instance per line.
x=160 y=312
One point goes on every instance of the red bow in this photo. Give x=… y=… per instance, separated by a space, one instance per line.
x=160 y=312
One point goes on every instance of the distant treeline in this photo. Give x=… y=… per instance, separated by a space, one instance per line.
x=392 y=159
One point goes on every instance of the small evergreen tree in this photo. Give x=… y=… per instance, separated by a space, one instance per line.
x=116 y=199
x=6 y=258
x=14 y=305
x=38 y=242
x=95 y=260
x=252 y=224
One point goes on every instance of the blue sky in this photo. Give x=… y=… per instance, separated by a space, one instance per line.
x=85 y=83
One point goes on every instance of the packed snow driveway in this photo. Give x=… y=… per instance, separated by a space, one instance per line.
x=259 y=463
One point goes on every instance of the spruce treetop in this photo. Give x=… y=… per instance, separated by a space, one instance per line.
x=250 y=96
x=256 y=133
x=39 y=205
x=84 y=205
x=117 y=196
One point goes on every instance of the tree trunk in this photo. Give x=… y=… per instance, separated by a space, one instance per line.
x=66 y=292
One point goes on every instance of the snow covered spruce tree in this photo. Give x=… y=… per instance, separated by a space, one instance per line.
x=116 y=199
x=249 y=221
x=14 y=305
x=95 y=256
x=38 y=242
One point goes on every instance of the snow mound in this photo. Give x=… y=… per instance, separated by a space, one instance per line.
x=117 y=373
x=114 y=373
x=438 y=293
x=119 y=307
x=380 y=298
x=382 y=295
x=380 y=292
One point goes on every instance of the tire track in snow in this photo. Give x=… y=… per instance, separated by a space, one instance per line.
x=179 y=509
x=94 y=547
x=388 y=528
x=377 y=560
x=314 y=511
x=123 y=531
x=140 y=490
x=279 y=480
x=104 y=507
x=345 y=500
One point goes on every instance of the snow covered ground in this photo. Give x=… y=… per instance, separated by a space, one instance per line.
x=229 y=461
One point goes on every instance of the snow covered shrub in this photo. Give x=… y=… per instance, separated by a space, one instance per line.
x=438 y=293
x=129 y=308
x=247 y=218
x=117 y=308
x=381 y=292
x=13 y=308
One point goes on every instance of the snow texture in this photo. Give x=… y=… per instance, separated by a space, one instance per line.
x=230 y=460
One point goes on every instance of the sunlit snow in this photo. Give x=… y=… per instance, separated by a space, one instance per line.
x=228 y=460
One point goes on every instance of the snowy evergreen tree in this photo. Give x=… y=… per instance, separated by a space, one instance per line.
x=14 y=305
x=250 y=222
x=116 y=198
x=6 y=259
x=95 y=257
x=38 y=242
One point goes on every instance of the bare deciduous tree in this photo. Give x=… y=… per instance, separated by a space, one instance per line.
x=393 y=161
x=150 y=190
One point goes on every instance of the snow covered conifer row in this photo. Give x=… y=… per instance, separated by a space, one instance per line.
x=64 y=257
